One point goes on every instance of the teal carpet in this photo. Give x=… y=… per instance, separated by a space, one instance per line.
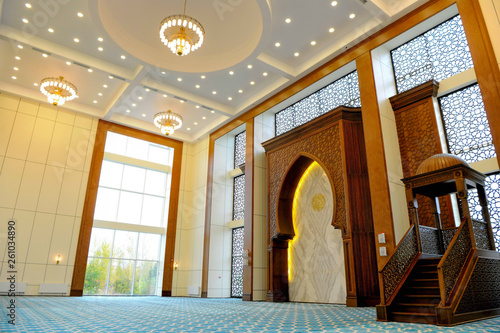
x=175 y=314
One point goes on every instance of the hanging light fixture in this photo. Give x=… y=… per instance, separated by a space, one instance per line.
x=58 y=90
x=168 y=122
x=181 y=33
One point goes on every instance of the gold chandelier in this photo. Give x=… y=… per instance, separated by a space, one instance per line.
x=181 y=33
x=168 y=122
x=58 y=90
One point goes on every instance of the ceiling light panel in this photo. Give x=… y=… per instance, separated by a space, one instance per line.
x=30 y=71
x=65 y=26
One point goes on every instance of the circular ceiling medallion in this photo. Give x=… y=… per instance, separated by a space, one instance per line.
x=233 y=31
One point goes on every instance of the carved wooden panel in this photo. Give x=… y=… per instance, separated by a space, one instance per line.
x=483 y=290
x=325 y=146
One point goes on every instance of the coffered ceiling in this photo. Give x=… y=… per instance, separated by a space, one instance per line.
x=111 y=51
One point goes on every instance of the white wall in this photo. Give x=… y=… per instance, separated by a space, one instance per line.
x=191 y=218
x=45 y=155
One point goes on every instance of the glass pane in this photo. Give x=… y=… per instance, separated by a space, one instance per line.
x=133 y=178
x=145 y=278
x=239 y=197
x=125 y=244
x=106 y=205
x=129 y=210
x=149 y=246
x=152 y=211
x=120 y=277
x=137 y=149
x=160 y=155
x=115 y=143
x=111 y=174
x=96 y=276
x=239 y=149
x=156 y=182
x=100 y=242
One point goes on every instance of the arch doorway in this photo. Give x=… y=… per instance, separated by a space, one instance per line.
x=316 y=270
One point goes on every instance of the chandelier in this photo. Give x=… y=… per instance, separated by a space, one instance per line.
x=168 y=122
x=58 y=90
x=181 y=33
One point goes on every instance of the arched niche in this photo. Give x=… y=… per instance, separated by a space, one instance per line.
x=335 y=140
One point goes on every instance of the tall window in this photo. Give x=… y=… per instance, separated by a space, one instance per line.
x=344 y=91
x=129 y=219
x=437 y=54
x=237 y=263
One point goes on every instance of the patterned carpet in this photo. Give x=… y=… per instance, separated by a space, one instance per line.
x=157 y=314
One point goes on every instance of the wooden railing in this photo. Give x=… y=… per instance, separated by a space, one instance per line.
x=454 y=259
x=398 y=266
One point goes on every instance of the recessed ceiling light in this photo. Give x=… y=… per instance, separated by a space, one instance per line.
x=203 y=76
x=288 y=20
x=197 y=86
x=105 y=85
x=313 y=42
x=196 y=123
x=35 y=84
x=334 y=3
x=179 y=79
x=20 y=46
x=140 y=97
x=163 y=73
x=164 y=95
x=90 y=70
x=128 y=110
x=147 y=89
x=277 y=44
x=249 y=66
x=203 y=117
x=18 y=58
x=122 y=56
x=189 y=128
x=95 y=101
x=25 y=20
x=144 y=115
x=110 y=77
x=50 y=30
x=331 y=30
x=16 y=69
x=212 y=111
x=28 y=5
x=100 y=94
x=68 y=63
x=240 y=91
x=197 y=106
x=134 y=105
x=45 y=55
x=296 y=54
x=252 y=83
x=214 y=92
x=14 y=77
x=265 y=73
x=230 y=98
x=100 y=39
x=181 y=101
x=79 y=14
x=352 y=16
x=100 y=49
x=231 y=73
x=76 y=40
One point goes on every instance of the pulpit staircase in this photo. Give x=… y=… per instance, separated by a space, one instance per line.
x=442 y=276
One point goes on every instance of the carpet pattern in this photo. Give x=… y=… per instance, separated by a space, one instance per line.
x=180 y=314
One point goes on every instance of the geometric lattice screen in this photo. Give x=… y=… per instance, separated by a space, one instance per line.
x=492 y=189
x=237 y=263
x=437 y=54
x=344 y=91
x=239 y=149
x=239 y=197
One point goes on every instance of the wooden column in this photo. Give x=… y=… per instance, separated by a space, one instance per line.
x=208 y=218
x=375 y=157
x=248 y=219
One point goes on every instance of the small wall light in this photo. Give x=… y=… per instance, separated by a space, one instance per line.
x=176 y=265
x=58 y=258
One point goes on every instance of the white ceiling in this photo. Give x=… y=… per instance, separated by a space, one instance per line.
x=133 y=75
